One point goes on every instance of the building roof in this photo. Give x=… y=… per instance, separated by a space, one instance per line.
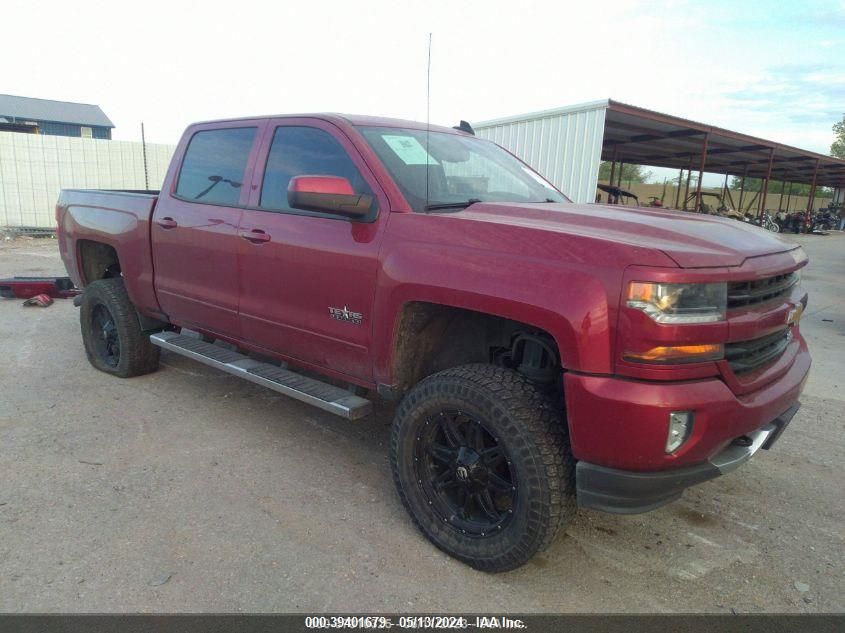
x=645 y=137
x=651 y=138
x=49 y=110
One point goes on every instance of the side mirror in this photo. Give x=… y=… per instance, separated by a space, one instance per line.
x=329 y=194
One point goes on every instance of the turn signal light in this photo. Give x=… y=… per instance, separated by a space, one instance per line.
x=678 y=354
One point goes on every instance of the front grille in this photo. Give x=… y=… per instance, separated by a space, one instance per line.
x=748 y=293
x=746 y=356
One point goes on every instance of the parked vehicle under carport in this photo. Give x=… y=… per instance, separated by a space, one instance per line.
x=616 y=195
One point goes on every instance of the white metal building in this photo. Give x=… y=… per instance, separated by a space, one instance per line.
x=564 y=144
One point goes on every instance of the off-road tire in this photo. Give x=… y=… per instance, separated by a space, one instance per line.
x=533 y=434
x=137 y=355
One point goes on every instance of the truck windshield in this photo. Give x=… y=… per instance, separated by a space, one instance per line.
x=461 y=170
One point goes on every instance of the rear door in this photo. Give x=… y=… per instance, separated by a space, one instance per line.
x=194 y=231
x=308 y=279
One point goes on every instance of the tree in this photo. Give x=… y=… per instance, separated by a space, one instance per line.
x=837 y=148
x=753 y=185
x=630 y=173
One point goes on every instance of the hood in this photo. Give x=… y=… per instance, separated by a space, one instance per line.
x=692 y=240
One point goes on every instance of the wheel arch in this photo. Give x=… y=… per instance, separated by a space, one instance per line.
x=97 y=260
x=100 y=260
x=428 y=337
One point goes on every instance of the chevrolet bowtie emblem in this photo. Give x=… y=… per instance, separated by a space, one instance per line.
x=794 y=315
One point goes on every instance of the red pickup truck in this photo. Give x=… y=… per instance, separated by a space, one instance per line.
x=543 y=354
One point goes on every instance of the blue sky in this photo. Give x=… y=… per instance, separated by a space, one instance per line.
x=788 y=82
x=771 y=69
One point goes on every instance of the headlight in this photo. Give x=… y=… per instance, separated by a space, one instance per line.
x=679 y=303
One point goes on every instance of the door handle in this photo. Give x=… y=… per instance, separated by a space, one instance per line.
x=167 y=223
x=256 y=236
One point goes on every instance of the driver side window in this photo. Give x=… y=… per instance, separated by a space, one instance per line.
x=304 y=151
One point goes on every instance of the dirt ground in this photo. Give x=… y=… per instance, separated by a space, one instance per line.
x=191 y=490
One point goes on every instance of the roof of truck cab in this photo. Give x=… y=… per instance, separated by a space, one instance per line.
x=378 y=121
x=345 y=119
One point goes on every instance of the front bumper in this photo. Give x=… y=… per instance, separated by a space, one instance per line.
x=622 y=423
x=630 y=492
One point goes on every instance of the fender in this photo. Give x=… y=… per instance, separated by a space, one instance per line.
x=576 y=304
x=567 y=285
x=91 y=216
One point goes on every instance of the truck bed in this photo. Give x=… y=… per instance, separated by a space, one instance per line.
x=119 y=219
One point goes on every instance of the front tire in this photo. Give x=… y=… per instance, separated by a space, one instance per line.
x=111 y=332
x=481 y=461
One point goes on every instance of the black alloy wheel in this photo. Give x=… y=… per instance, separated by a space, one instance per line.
x=481 y=461
x=114 y=340
x=106 y=340
x=465 y=473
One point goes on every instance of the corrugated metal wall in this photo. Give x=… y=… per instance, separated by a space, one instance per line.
x=53 y=128
x=564 y=145
x=34 y=167
x=58 y=128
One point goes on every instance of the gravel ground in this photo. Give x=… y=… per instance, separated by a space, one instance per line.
x=190 y=490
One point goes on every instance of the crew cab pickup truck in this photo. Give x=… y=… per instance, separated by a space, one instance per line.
x=543 y=355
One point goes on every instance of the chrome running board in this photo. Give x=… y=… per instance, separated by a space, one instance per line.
x=315 y=392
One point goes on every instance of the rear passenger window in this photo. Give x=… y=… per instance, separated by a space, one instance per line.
x=301 y=151
x=214 y=165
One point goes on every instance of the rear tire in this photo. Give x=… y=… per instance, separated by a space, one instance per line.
x=482 y=463
x=111 y=332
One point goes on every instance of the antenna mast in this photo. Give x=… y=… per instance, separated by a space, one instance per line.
x=427 y=117
x=144 y=148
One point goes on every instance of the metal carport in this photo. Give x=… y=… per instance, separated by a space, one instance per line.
x=607 y=130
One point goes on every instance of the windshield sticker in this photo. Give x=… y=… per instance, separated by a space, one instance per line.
x=408 y=149
x=537 y=177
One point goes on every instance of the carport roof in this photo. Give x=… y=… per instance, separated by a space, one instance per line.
x=637 y=135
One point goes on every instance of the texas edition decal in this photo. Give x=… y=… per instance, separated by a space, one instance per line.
x=345 y=314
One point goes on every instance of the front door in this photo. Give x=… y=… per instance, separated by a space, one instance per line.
x=194 y=228
x=308 y=279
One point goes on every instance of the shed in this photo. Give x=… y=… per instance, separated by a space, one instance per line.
x=53 y=118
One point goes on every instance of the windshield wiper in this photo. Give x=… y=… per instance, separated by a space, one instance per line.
x=451 y=205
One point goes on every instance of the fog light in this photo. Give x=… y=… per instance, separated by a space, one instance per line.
x=680 y=428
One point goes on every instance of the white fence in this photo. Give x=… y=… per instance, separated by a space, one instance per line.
x=34 y=167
